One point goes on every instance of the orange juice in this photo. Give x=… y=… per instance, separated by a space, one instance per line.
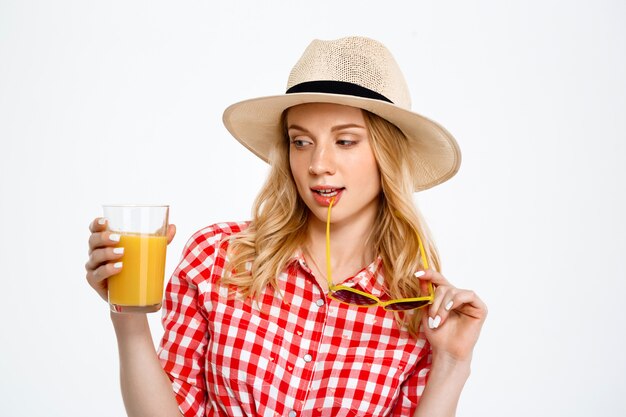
x=140 y=282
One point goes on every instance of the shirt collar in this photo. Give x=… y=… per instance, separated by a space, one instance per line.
x=369 y=279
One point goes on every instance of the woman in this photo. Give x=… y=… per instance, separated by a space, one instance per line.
x=322 y=304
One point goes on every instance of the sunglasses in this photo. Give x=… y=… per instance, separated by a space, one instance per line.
x=359 y=298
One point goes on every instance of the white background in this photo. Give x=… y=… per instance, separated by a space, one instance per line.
x=121 y=101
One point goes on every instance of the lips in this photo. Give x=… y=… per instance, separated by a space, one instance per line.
x=324 y=194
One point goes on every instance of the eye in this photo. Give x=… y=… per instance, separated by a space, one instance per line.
x=299 y=143
x=346 y=142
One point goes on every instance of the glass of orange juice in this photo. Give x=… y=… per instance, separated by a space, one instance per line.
x=138 y=287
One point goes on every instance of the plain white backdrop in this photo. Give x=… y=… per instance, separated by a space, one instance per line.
x=121 y=102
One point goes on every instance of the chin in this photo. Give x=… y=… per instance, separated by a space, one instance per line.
x=320 y=213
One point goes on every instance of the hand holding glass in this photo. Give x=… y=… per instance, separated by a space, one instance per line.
x=138 y=287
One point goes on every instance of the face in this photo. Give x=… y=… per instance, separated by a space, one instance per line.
x=330 y=156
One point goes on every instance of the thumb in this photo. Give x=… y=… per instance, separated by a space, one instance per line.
x=171 y=232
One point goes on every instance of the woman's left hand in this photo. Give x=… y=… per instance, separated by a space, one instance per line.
x=453 y=322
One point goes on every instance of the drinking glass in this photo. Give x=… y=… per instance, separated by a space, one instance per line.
x=138 y=287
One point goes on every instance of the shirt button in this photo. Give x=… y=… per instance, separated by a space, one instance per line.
x=308 y=358
x=293 y=413
x=320 y=302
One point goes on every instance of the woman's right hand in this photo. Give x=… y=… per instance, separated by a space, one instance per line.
x=104 y=257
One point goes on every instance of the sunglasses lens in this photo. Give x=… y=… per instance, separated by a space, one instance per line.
x=406 y=305
x=350 y=297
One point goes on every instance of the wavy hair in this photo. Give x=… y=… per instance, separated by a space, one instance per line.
x=278 y=227
x=399 y=224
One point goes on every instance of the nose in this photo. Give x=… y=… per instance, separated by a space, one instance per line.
x=322 y=161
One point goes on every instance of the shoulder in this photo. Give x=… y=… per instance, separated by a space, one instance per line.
x=204 y=249
x=218 y=231
x=212 y=235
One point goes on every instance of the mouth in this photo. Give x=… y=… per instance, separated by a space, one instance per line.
x=325 y=194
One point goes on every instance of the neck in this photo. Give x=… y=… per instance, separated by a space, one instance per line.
x=350 y=250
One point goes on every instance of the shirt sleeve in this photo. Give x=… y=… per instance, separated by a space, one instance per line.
x=183 y=347
x=412 y=389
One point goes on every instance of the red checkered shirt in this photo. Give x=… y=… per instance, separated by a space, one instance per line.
x=299 y=354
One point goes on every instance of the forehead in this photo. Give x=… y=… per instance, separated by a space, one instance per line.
x=325 y=112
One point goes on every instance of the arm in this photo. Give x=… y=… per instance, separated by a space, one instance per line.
x=146 y=389
x=443 y=390
x=452 y=325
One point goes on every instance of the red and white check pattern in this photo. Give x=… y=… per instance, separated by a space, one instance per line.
x=299 y=354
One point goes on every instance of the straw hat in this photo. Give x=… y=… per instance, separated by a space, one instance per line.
x=358 y=72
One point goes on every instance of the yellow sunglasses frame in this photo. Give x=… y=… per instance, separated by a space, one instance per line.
x=377 y=301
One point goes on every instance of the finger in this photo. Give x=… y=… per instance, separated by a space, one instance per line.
x=467 y=302
x=171 y=232
x=436 y=311
x=103 y=255
x=98 y=224
x=446 y=300
x=97 y=280
x=439 y=294
x=442 y=285
x=462 y=302
x=433 y=276
x=103 y=272
x=428 y=323
x=103 y=239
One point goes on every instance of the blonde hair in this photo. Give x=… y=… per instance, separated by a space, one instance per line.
x=259 y=254
x=399 y=225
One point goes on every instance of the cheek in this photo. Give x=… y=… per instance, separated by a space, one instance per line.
x=297 y=171
x=368 y=172
x=293 y=166
x=375 y=180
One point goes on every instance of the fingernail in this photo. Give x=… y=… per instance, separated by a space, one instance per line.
x=419 y=274
x=430 y=322
x=114 y=237
x=449 y=305
x=102 y=221
x=436 y=322
x=117 y=265
x=118 y=251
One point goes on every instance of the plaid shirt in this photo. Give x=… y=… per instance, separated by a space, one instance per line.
x=299 y=354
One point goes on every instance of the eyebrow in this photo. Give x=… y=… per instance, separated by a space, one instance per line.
x=332 y=129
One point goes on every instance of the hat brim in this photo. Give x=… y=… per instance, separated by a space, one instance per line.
x=255 y=123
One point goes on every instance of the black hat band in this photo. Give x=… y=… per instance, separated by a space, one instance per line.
x=337 y=87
